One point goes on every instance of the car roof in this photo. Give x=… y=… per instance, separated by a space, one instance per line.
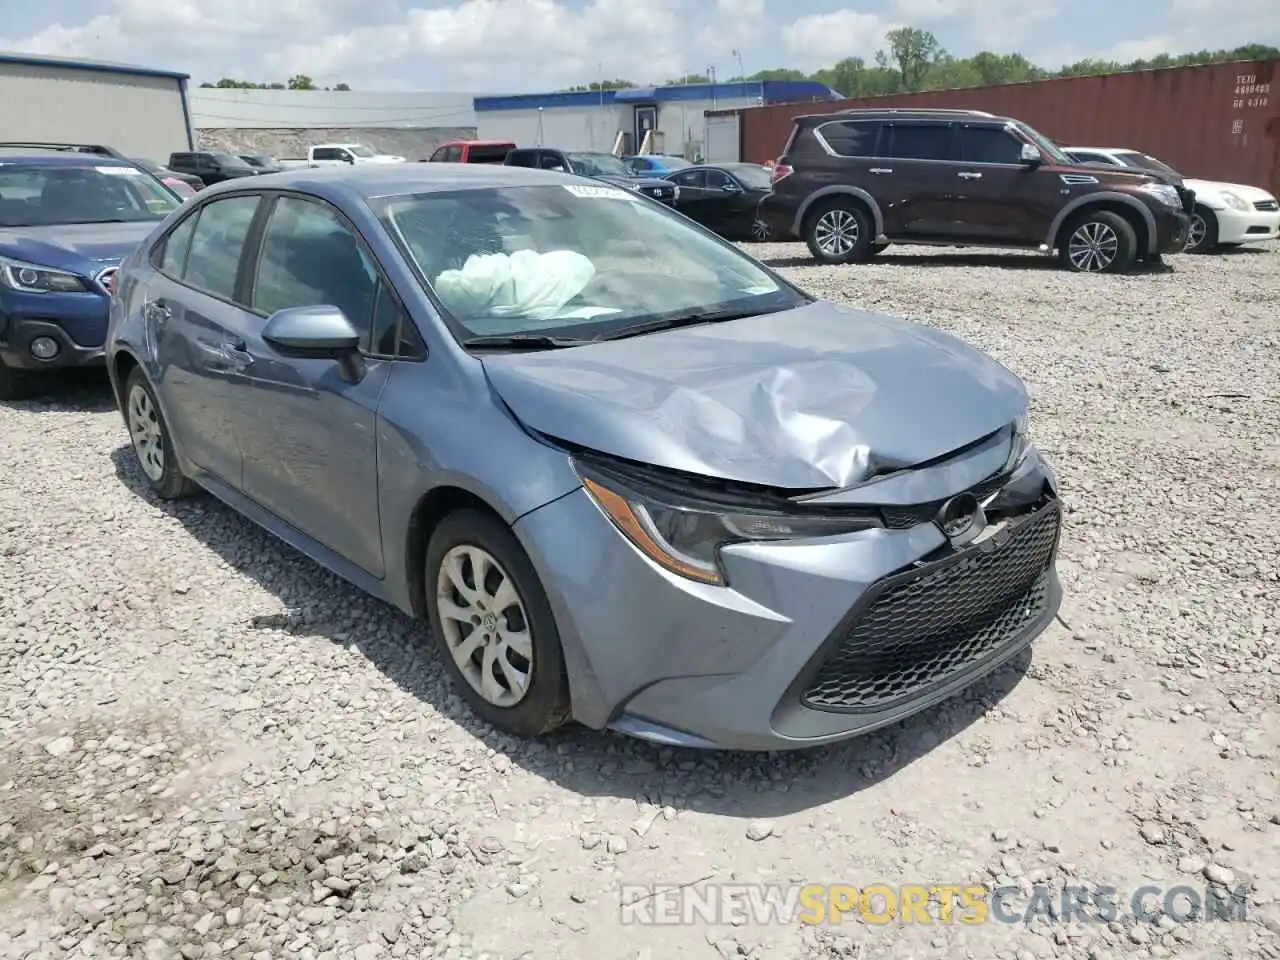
x=371 y=181
x=64 y=158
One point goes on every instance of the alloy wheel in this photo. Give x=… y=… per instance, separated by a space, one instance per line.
x=1196 y=232
x=484 y=624
x=144 y=429
x=760 y=231
x=1093 y=247
x=836 y=232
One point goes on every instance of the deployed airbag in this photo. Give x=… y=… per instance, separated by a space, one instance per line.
x=525 y=284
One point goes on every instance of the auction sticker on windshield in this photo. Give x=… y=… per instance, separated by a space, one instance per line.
x=119 y=171
x=581 y=190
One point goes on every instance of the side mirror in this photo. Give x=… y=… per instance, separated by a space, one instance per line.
x=317 y=333
x=1031 y=154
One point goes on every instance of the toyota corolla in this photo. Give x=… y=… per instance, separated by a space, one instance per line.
x=627 y=474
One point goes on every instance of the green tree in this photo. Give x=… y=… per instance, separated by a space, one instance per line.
x=603 y=85
x=914 y=51
x=300 y=81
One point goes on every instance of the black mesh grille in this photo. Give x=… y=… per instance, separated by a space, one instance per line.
x=928 y=624
x=899 y=518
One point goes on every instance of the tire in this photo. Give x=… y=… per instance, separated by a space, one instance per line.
x=152 y=444
x=493 y=687
x=761 y=232
x=1202 y=235
x=1099 y=241
x=877 y=248
x=14 y=384
x=838 y=231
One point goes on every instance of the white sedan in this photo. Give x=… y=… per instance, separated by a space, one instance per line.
x=1226 y=214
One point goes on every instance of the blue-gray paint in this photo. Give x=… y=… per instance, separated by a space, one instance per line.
x=817 y=396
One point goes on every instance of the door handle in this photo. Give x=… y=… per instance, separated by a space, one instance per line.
x=970 y=175
x=157 y=311
x=237 y=350
x=882 y=169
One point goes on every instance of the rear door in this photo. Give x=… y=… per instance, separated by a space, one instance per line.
x=996 y=196
x=312 y=460
x=732 y=208
x=915 y=177
x=693 y=201
x=197 y=325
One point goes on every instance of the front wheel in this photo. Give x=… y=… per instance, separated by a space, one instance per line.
x=838 y=231
x=14 y=384
x=761 y=232
x=1100 y=242
x=1202 y=234
x=493 y=624
x=152 y=444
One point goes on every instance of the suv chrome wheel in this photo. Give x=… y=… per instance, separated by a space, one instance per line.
x=836 y=232
x=1093 y=247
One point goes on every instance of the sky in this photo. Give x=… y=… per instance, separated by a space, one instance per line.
x=496 y=46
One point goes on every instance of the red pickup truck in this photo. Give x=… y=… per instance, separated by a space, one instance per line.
x=471 y=151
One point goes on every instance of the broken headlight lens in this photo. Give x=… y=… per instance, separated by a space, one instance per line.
x=684 y=533
x=1020 y=445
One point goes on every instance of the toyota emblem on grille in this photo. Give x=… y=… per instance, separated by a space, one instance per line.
x=961 y=517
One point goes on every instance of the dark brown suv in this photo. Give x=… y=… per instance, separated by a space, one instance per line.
x=851 y=183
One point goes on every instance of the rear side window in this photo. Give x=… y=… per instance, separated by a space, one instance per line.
x=690 y=178
x=326 y=153
x=850 y=139
x=214 y=258
x=488 y=152
x=920 y=141
x=522 y=158
x=989 y=145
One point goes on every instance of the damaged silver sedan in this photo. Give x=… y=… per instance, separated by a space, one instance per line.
x=628 y=474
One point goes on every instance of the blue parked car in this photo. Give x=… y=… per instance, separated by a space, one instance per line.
x=655 y=164
x=67 y=219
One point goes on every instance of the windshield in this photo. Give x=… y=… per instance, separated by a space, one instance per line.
x=229 y=161
x=41 y=196
x=1047 y=146
x=570 y=260
x=360 y=150
x=148 y=164
x=1144 y=162
x=754 y=178
x=598 y=165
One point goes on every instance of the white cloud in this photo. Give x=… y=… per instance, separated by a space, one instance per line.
x=989 y=23
x=823 y=38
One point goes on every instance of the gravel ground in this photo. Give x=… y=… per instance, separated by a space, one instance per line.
x=209 y=747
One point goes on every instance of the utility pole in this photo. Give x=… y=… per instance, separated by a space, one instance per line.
x=711 y=74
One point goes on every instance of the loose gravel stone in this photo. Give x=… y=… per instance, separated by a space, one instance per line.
x=212 y=748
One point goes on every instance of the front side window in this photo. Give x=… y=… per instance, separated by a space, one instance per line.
x=51 y=195
x=753 y=177
x=989 y=145
x=717 y=180
x=522 y=158
x=438 y=156
x=213 y=262
x=360 y=150
x=850 y=139
x=570 y=259
x=310 y=257
x=453 y=155
x=921 y=141
x=173 y=256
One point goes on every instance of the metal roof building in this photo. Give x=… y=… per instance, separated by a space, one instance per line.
x=140 y=111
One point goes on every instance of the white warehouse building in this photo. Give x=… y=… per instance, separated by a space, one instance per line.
x=673 y=119
x=137 y=110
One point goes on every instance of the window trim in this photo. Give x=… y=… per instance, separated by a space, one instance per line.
x=196 y=213
x=253 y=250
x=823 y=142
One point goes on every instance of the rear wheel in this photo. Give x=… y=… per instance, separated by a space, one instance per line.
x=152 y=444
x=838 y=231
x=761 y=232
x=1099 y=241
x=1202 y=234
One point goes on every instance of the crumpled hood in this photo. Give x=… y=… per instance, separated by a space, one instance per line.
x=79 y=247
x=820 y=397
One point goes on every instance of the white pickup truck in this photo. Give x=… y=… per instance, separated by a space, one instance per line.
x=336 y=154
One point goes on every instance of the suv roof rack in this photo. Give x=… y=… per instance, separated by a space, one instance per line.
x=943 y=110
x=94 y=148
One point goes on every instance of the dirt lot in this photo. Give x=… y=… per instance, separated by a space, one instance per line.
x=211 y=748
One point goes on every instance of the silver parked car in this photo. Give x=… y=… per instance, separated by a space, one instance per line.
x=628 y=474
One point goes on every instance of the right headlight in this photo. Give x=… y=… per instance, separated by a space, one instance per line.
x=1020 y=444
x=1235 y=201
x=1164 y=193
x=683 y=532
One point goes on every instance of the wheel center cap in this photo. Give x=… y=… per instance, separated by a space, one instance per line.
x=489 y=621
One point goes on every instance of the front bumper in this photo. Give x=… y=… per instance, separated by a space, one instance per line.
x=1240 y=226
x=778 y=213
x=79 y=336
x=812 y=642
x=1171 y=232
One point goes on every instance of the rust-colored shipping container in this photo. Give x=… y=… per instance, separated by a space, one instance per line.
x=1215 y=122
